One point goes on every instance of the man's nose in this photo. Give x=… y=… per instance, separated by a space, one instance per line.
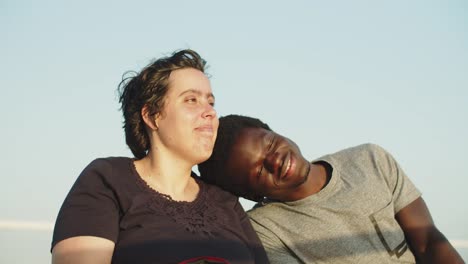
x=272 y=162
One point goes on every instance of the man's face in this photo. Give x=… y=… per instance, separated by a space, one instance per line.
x=263 y=163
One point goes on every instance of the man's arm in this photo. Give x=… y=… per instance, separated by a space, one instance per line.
x=427 y=243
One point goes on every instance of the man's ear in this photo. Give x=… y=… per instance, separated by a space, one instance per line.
x=150 y=120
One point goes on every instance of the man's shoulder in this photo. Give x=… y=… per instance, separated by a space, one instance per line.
x=362 y=148
x=265 y=208
x=358 y=152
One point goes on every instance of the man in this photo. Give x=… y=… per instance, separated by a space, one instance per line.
x=353 y=206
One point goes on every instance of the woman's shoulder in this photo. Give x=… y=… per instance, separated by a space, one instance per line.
x=106 y=168
x=216 y=193
x=109 y=163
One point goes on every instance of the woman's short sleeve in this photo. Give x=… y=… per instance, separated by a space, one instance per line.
x=91 y=207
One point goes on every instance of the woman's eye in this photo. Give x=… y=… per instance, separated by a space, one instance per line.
x=191 y=100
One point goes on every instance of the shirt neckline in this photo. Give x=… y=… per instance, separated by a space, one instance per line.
x=153 y=192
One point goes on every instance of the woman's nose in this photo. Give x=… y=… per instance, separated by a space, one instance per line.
x=209 y=111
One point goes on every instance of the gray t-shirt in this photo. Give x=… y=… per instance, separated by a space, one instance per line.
x=351 y=220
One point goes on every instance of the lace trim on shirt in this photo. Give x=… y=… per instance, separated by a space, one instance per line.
x=198 y=216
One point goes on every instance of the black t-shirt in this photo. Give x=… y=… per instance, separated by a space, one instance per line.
x=110 y=200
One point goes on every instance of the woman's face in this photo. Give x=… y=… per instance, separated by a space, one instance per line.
x=187 y=124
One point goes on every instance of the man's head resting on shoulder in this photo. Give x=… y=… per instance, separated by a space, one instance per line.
x=252 y=161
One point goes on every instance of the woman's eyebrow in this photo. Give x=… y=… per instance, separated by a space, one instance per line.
x=197 y=92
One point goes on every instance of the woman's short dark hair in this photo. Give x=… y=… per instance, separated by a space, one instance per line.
x=211 y=170
x=149 y=87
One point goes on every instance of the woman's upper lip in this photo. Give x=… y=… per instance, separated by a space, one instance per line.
x=205 y=127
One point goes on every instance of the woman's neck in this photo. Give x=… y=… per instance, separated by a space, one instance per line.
x=168 y=176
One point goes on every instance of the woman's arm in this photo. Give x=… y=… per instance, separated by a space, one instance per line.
x=83 y=250
x=88 y=221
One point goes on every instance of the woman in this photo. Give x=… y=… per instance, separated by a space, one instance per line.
x=152 y=209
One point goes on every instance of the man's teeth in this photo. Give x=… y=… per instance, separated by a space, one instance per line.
x=287 y=167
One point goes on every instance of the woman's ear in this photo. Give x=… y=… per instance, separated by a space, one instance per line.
x=150 y=120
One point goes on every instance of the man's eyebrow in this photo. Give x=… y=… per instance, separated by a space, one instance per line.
x=270 y=141
x=198 y=92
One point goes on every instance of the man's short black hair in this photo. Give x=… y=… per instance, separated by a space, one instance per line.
x=211 y=171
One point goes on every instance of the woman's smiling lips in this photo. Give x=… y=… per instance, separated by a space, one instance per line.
x=205 y=129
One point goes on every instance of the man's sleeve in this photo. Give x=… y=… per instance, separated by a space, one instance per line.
x=402 y=188
x=276 y=251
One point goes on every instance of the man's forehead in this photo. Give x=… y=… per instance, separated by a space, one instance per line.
x=252 y=132
x=248 y=145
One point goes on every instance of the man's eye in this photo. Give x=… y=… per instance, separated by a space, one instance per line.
x=260 y=171
x=270 y=145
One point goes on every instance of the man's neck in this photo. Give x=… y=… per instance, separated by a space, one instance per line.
x=318 y=177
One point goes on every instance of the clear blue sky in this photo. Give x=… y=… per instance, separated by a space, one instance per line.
x=329 y=74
